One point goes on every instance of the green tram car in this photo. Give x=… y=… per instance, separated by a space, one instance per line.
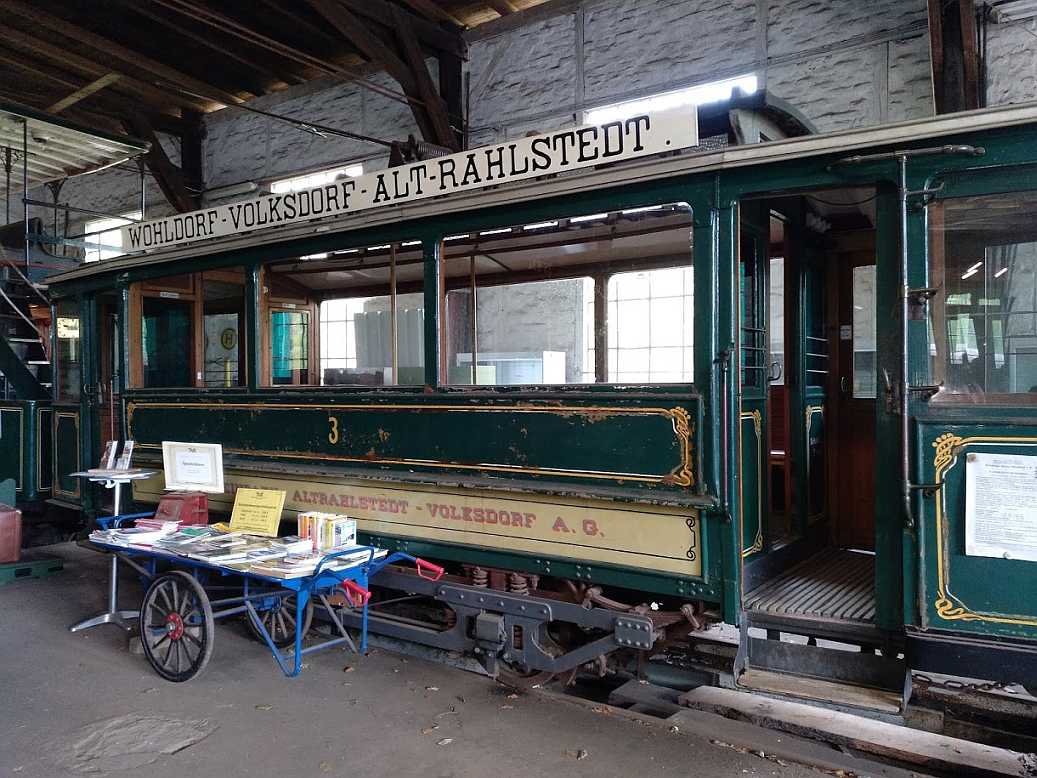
x=788 y=386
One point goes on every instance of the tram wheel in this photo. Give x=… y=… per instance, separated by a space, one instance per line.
x=279 y=621
x=176 y=626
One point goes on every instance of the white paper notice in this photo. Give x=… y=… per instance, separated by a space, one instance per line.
x=1001 y=506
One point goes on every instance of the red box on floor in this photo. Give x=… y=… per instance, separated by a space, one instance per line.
x=10 y=533
x=189 y=508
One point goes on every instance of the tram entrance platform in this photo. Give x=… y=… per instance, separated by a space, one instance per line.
x=833 y=590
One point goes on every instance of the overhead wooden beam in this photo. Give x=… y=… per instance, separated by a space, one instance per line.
x=83 y=92
x=407 y=65
x=132 y=62
x=434 y=106
x=64 y=58
x=204 y=39
x=430 y=35
x=168 y=176
x=954 y=55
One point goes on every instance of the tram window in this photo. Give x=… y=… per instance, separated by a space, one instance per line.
x=167 y=344
x=223 y=315
x=776 y=314
x=69 y=350
x=753 y=326
x=524 y=303
x=330 y=319
x=289 y=347
x=650 y=317
x=983 y=327
x=864 y=332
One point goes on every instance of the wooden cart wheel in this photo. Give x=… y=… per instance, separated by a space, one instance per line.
x=176 y=626
x=279 y=621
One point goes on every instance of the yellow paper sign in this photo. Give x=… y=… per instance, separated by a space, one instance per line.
x=257 y=511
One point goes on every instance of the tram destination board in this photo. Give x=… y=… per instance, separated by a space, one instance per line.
x=523 y=158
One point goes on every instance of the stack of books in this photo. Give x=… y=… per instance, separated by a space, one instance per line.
x=327 y=531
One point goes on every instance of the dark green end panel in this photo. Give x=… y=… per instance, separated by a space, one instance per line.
x=958 y=591
x=66 y=452
x=25 y=448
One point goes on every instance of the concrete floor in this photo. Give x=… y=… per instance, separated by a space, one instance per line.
x=376 y=719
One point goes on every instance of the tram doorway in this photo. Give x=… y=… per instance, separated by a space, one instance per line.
x=809 y=358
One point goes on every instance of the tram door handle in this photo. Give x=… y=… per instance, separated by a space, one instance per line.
x=844 y=385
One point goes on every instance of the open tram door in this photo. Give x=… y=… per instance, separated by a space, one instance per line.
x=820 y=584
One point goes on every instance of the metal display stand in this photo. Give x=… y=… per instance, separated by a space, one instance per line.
x=114 y=481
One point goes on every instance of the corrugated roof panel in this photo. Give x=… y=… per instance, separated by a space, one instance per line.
x=58 y=148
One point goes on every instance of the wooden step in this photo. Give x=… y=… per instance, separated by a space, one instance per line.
x=821 y=690
x=892 y=741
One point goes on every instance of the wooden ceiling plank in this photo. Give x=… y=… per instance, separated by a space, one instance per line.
x=83 y=92
x=430 y=10
x=429 y=34
x=65 y=58
x=503 y=7
x=44 y=72
x=207 y=41
x=135 y=61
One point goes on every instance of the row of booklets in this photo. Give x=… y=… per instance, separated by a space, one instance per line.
x=284 y=557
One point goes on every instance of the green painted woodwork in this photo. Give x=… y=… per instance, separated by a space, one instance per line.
x=893 y=579
x=522 y=436
x=25 y=447
x=13 y=442
x=969 y=593
x=66 y=451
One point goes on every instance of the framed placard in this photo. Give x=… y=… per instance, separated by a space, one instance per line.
x=1000 y=518
x=257 y=511
x=193 y=467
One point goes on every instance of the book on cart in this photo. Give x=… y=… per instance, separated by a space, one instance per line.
x=297 y=566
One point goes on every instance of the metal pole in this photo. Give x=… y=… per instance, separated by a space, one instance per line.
x=143 y=188
x=473 y=322
x=7 y=184
x=905 y=379
x=393 y=333
x=25 y=189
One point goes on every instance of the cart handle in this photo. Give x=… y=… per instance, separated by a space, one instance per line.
x=335 y=555
x=356 y=593
x=425 y=569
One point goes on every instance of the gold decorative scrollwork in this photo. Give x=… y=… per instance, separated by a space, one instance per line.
x=945 y=446
x=757 y=419
x=682 y=475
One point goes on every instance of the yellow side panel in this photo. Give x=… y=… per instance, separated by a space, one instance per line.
x=650 y=538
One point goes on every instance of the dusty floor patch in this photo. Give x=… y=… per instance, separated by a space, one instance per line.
x=126 y=742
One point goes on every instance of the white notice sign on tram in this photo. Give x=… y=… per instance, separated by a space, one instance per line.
x=571 y=148
x=1000 y=512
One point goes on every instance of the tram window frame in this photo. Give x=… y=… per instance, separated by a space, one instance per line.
x=68 y=367
x=350 y=270
x=187 y=289
x=975 y=233
x=464 y=275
